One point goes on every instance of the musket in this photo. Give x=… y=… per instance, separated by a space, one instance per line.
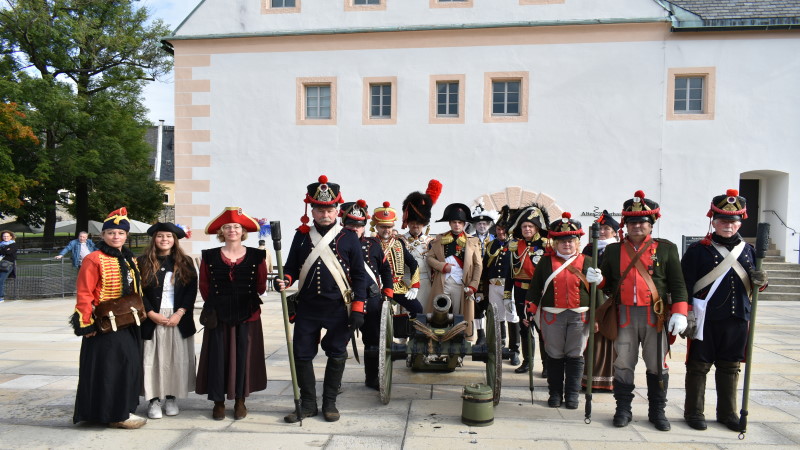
x=595 y=234
x=275 y=228
x=762 y=240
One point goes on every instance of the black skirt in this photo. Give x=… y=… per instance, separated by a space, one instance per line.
x=232 y=362
x=109 y=377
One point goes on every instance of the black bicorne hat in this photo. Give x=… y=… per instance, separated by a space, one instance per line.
x=456 y=211
x=166 y=226
x=730 y=206
x=532 y=213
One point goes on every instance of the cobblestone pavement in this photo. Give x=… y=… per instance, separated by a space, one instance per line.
x=39 y=367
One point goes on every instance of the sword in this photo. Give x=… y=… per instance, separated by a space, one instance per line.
x=355 y=349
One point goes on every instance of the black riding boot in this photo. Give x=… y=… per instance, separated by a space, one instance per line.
x=657 y=398
x=513 y=343
x=623 y=394
x=307 y=384
x=573 y=369
x=481 y=337
x=503 y=335
x=555 y=383
x=330 y=388
x=371 y=372
x=526 y=361
x=694 y=405
x=727 y=377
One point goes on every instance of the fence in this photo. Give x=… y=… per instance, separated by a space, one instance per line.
x=39 y=275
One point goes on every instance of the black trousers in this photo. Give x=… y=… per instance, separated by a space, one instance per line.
x=313 y=315
x=723 y=340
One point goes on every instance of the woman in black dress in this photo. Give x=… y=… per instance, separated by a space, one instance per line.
x=232 y=278
x=110 y=373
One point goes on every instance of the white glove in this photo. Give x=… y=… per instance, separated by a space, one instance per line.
x=412 y=293
x=677 y=324
x=594 y=275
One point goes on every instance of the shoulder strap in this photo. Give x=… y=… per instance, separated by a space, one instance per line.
x=648 y=279
x=634 y=258
x=556 y=272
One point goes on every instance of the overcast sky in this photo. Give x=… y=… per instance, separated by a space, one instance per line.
x=159 y=96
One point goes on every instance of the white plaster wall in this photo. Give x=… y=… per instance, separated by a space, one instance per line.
x=755 y=128
x=244 y=16
x=596 y=131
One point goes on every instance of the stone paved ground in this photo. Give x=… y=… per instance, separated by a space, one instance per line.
x=39 y=366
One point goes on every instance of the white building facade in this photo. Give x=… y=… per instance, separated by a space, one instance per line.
x=575 y=103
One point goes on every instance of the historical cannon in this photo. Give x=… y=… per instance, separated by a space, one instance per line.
x=435 y=342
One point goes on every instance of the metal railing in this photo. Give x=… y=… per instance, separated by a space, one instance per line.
x=794 y=232
x=39 y=275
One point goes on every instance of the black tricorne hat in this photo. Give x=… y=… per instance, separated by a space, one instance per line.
x=456 y=211
x=532 y=213
x=504 y=219
x=354 y=213
x=730 y=206
x=640 y=209
x=166 y=226
x=607 y=219
x=417 y=205
x=565 y=228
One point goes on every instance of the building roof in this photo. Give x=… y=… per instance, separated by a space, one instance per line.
x=740 y=9
x=167 y=168
x=734 y=14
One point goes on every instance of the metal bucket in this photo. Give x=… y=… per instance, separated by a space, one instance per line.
x=477 y=409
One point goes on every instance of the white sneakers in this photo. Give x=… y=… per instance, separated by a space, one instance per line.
x=131 y=423
x=171 y=407
x=154 y=411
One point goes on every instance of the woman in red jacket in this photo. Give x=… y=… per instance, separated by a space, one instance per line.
x=559 y=292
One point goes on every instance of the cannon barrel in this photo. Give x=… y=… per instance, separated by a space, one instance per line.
x=441 y=309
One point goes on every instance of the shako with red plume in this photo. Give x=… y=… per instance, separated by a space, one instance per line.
x=320 y=194
x=565 y=228
x=384 y=215
x=639 y=209
x=354 y=213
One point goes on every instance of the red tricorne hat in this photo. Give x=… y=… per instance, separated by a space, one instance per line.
x=231 y=214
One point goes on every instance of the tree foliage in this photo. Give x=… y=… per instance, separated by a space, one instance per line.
x=77 y=68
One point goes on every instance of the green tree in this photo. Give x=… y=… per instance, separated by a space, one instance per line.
x=16 y=139
x=81 y=68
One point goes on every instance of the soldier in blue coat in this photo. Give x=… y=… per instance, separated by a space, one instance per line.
x=354 y=217
x=721 y=289
x=328 y=264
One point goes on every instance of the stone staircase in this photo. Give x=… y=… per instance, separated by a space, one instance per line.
x=784 y=278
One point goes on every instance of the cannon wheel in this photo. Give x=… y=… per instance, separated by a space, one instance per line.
x=494 y=358
x=385 y=353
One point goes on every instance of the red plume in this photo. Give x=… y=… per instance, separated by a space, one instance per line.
x=385 y=204
x=323 y=179
x=566 y=215
x=639 y=194
x=434 y=190
x=362 y=203
x=732 y=193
